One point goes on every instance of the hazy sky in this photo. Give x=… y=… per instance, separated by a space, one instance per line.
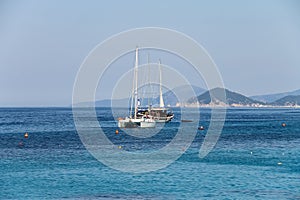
x=255 y=44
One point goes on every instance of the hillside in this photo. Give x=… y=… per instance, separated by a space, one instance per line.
x=268 y=98
x=214 y=96
x=290 y=100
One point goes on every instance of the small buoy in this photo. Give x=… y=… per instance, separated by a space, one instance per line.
x=283 y=124
x=251 y=152
x=117 y=132
x=201 y=128
x=20 y=144
x=279 y=163
x=120 y=147
x=26 y=135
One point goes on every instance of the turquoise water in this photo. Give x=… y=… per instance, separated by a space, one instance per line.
x=255 y=158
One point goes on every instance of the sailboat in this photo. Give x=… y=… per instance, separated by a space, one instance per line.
x=161 y=113
x=144 y=121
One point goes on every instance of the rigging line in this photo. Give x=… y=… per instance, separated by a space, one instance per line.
x=149 y=85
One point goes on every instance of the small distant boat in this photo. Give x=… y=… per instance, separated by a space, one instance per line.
x=186 y=120
x=145 y=120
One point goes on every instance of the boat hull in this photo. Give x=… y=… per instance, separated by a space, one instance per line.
x=147 y=124
x=127 y=124
x=135 y=123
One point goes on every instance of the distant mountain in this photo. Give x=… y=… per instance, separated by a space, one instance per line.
x=290 y=100
x=170 y=98
x=214 y=96
x=106 y=103
x=268 y=98
x=114 y=102
x=204 y=97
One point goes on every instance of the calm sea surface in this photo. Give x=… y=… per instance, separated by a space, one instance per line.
x=255 y=158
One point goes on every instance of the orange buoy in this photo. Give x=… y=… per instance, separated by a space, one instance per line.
x=26 y=135
x=117 y=132
x=283 y=124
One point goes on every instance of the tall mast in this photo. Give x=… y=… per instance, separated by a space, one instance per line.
x=161 y=100
x=136 y=82
x=148 y=83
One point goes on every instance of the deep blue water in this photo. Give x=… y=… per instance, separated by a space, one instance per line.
x=255 y=158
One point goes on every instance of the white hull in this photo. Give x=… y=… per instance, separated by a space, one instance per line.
x=147 y=124
x=134 y=123
x=124 y=123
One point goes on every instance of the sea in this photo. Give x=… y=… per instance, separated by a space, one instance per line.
x=257 y=156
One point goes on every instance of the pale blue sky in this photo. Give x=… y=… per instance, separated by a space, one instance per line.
x=255 y=44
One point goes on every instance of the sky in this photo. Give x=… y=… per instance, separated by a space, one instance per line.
x=255 y=44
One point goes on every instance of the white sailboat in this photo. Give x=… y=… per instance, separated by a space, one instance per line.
x=146 y=120
x=161 y=113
